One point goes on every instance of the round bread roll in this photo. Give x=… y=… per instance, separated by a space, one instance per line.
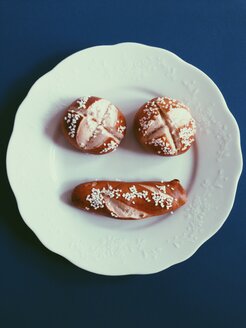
x=165 y=126
x=93 y=125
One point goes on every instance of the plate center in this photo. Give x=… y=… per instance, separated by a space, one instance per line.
x=129 y=162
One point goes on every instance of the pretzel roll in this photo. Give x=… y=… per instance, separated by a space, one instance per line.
x=165 y=126
x=93 y=125
x=129 y=200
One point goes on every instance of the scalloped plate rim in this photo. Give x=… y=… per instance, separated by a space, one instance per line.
x=235 y=180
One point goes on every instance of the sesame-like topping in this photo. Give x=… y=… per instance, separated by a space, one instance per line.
x=121 y=129
x=162 y=199
x=162 y=106
x=167 y=103
x=162 y=188
x=145 y=124
x=111 y=145
x=161 y=100
x=135 y=194
x=170 y=103
x=186 y=135
x=169 y=202
x=71 y=118
x=110 y=192
x=96 y=199
x=151 y=111
x=165 y=146
x=114 y=215
x=82 y=102
x=97 y=196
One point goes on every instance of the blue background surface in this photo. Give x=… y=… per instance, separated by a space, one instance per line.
x=39 y=288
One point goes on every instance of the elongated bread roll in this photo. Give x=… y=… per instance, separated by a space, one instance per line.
x=129 y=200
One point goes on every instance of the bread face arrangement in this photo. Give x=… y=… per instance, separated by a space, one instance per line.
x=93 y=125
x=129 y=200
x=165 y=126
x=162 y=125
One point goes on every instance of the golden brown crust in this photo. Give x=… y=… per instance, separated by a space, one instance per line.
x=158 y=130
x=129 y=200
x=110 y=134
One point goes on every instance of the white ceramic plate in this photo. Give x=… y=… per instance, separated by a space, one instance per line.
x=43 y=168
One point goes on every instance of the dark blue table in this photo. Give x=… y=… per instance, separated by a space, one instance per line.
x=41 y=289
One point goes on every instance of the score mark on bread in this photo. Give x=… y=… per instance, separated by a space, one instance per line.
x=94 y=125
x=165 y=126
x=129 y=200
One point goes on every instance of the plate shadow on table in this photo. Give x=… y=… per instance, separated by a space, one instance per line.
x=10 y=220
